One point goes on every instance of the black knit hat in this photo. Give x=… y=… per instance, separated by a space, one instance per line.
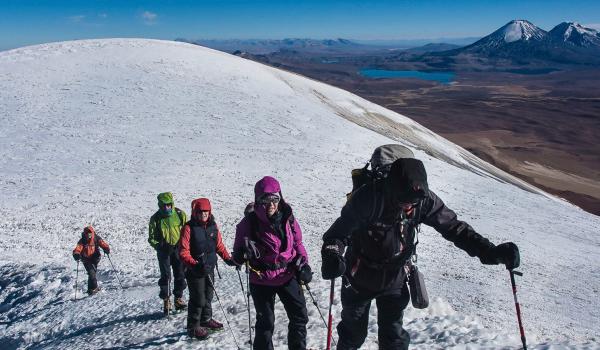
x=408 y=180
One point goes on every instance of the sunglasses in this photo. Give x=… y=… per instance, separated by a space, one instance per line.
x=267 y=199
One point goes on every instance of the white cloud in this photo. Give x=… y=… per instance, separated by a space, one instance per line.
x=149 y=17
x=76 y=18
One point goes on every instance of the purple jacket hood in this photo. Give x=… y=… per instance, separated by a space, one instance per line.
x=267 y=184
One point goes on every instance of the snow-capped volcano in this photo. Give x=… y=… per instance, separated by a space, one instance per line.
x=93 y=130
x=576 y=34
x=520 y=30
x=522 y=43
x=516 y=33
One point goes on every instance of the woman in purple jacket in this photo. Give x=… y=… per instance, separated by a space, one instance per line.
x=270 y=240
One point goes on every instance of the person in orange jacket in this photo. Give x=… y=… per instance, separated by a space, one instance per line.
x=200 y=243
x=88 y=252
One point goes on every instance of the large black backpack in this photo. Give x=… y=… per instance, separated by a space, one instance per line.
x=380 y=165
x=377 y=256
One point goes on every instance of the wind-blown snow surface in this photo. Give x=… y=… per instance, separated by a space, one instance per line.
x=93 y=130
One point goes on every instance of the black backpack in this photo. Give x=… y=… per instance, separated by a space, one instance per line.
x=377 y=257
x=380 y=163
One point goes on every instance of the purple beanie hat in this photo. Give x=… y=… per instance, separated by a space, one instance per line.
x=267 y=184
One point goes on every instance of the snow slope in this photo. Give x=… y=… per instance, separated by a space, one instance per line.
x=93 y=130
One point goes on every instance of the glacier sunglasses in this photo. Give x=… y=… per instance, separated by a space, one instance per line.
x=268 y=198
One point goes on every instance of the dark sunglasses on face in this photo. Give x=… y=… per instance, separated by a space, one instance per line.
x=265 y=200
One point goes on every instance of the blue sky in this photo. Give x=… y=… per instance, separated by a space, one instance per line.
x=25 y=22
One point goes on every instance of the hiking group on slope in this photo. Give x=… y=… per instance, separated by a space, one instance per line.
x=372 y=246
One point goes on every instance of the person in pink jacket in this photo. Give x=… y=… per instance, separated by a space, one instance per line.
x=269 y=239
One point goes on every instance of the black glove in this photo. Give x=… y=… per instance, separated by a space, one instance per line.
x=107 y=251
x=333 y=263
x=76 y=256
x=238 y=257
x=230 y=262
x=304 y=275
x=505 y=253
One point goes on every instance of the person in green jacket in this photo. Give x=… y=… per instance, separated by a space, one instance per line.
x=164 y=234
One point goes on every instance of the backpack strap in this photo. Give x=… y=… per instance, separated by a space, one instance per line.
x=253 y=226
x=180 y=215
x=291 y=220
x=377 y=206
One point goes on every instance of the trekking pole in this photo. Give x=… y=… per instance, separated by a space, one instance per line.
x=115 y=271
x=222 y=309
x=330 y=323
x=514 y=289
x=242 y=285
x=318 y=309
x=169 y=295
x=76 y=278
x=218 y=272
x=248 y=301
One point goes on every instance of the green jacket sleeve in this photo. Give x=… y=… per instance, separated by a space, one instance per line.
x=153 y=233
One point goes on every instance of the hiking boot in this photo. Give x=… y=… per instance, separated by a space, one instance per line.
x=212 y=325
x=198 y=333
x=93 y=291
x=180 y=304
x=167 y=307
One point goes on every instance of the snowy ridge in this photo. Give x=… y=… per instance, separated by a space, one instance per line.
x=93 y=130
x=579 y=29
x=576 y=34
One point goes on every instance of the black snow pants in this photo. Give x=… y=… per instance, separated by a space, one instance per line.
x=352 y=329
x=201 y=296
x=91 y=266
x=292 y=297
x=167 y=259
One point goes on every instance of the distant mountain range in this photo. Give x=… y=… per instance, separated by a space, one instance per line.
x=260 y=46
x=517 y=43
x=520 y=40
x=328 y=46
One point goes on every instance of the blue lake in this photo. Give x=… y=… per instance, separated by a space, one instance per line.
x=441 y=77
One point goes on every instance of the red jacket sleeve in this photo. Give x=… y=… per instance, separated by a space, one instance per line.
x=184 y=247
x=78 y=248
x=221 y=249
x=102 y=243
